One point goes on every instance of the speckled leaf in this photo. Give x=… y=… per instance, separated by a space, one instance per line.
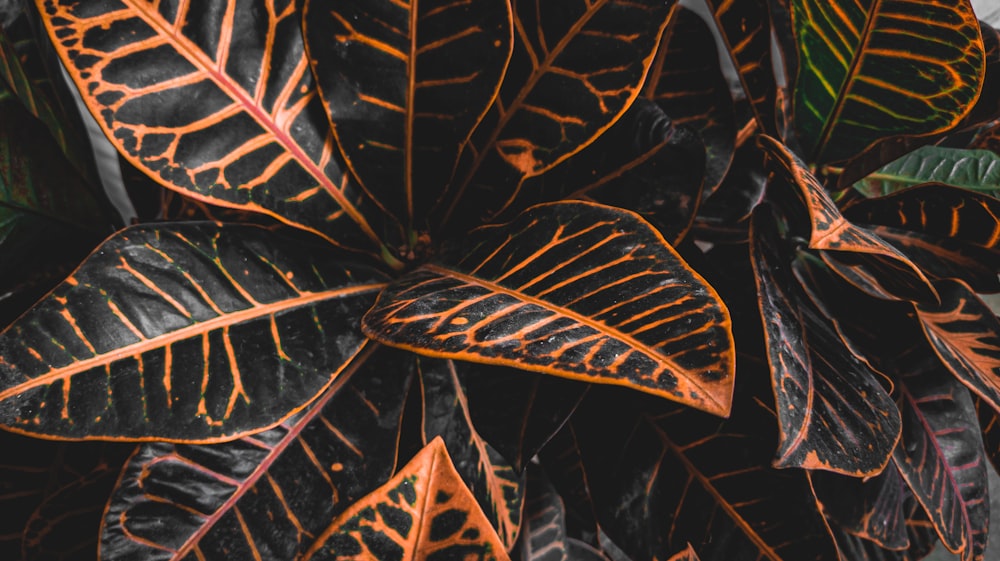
x=424 y=512
x=877 y=68
x=497 y=487
x=268 y=495
x=215 y=99
x=189 y=332
x=577 y=290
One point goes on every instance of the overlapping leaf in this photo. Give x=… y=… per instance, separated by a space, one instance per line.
x=494 y=483
x=873 y=509
x=685 y=480
x=404 y=85
x=424 y=512
x=920 y=537
x=829 y=230
x=832 y=412
x=270 y=494
x=576 y=290
x=215 y=99
x=989 y=421
x=965 y=334
x=877 y=68
x=191 y=332
x=941 y=457
x=686 y=81
x=746 y=31
x=563 y=465
x=576 y=67
x=970 y=169
x=643 y=163
x=543 y=534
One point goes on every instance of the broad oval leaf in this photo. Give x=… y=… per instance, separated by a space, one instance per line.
x=941 y=457
x=270 y=493
x=404 y=85
x=577 y=66
x=878 y=68
x=217 y=101
x=577 y=290
x=424 y=512
x=832 y=412
x=977 y=170
x=494 y=483
x=188 y=332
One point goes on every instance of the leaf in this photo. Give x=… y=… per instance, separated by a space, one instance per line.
x=829 y=230
x=686 y=81
x=423 y=512
x=188 y=332
x=989 y=422
x=270 y=494
x=517 y=412
x=965 y=334
x=687 y=478
x=873 y=508
x=832 y=413
x=941 y=457
x=746 y=32
x=563 y=464
x=643 y=163
x=871 y=69
x=494 y=483
x=404 y=85
x=576 y=290
x=688 y=554
x=217 y=102
x=577 y=66
x=920 y=536
x=543 y=534
x=977 y=170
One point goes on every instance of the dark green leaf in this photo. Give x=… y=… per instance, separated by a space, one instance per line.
x=191 y=332
x=269 y=494
x=577 y=290
x=877 y=68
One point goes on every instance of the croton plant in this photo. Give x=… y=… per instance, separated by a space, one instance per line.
x=499 y=279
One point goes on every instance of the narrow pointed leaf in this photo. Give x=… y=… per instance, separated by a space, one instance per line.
x=576 y=67
x=941 y=457
x=543 y=535
x=643 y=163
x=873 y=508
x=746 y=31
x=577 y=290
x=270 y=494
x=214 y=100
x=829 y=230
x=424 y=512
x=688 y=479
x=497 y=487
x=191 y=332
x=977 y=170
x=517 y=412
x=404 y=85
x=965 y=334
x=875 y=68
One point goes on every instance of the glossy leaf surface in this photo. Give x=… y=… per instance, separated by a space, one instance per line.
x=746 y=31
x=214 y=100
x=191 y=332
x=832 y=412
x=965 y=334
x=941 y=457
x=270 y=494
x=970 y=169
x=866 y=68
x=424 y=512
x=576 y=290
x=686 y=81
x=497 y=487
x=576 y=67
x=404 y=85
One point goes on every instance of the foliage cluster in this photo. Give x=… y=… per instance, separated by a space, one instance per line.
x=505 y=279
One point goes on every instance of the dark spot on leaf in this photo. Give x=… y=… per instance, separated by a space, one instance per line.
x=396 y=518
x=442 y=497
x=447 y=524
x=344 y=545
x=381 y=545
